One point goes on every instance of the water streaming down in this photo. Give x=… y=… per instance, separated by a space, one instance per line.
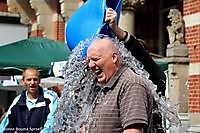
x=79 y=93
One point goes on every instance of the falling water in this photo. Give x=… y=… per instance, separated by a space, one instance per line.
x=79 y=93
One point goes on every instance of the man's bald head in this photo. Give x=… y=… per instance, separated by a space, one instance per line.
x=104 y=59
x=104 y=45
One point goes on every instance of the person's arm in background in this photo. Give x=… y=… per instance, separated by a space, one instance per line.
x=49 y=124
x=8 y=122
x=137 y=50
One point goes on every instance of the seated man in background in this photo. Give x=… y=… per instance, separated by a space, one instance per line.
x=2 y=113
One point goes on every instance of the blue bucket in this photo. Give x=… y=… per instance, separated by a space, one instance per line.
x=88 y=20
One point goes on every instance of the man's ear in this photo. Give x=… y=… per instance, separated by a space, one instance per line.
x=115 y=57
x=22 y=82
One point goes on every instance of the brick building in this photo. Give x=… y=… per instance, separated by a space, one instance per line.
x=147 y=21
x=191 y=13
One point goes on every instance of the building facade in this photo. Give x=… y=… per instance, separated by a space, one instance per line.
x=191 y=13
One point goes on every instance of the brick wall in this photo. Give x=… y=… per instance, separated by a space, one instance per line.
x=192 y=37
x=3 y=6
x=35 y=33
x=194 y=94
x=191 y=12
x=191 y=7
x=35 y=30
x=59 y=31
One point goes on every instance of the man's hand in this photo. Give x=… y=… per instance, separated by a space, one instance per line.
x=111 y=18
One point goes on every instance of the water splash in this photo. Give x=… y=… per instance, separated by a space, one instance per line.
x=165 y=106
x=79 y=93
x=74 y=105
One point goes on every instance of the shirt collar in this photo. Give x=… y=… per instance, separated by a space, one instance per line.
x=115 y=77
x=30 y=100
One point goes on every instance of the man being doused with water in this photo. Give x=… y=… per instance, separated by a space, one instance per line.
x=124 y=103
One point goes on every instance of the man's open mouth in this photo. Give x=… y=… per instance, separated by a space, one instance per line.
x=98 y=72
x=33 y=87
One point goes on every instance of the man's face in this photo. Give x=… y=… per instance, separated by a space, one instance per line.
x=101 y=60
x=31 y=81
